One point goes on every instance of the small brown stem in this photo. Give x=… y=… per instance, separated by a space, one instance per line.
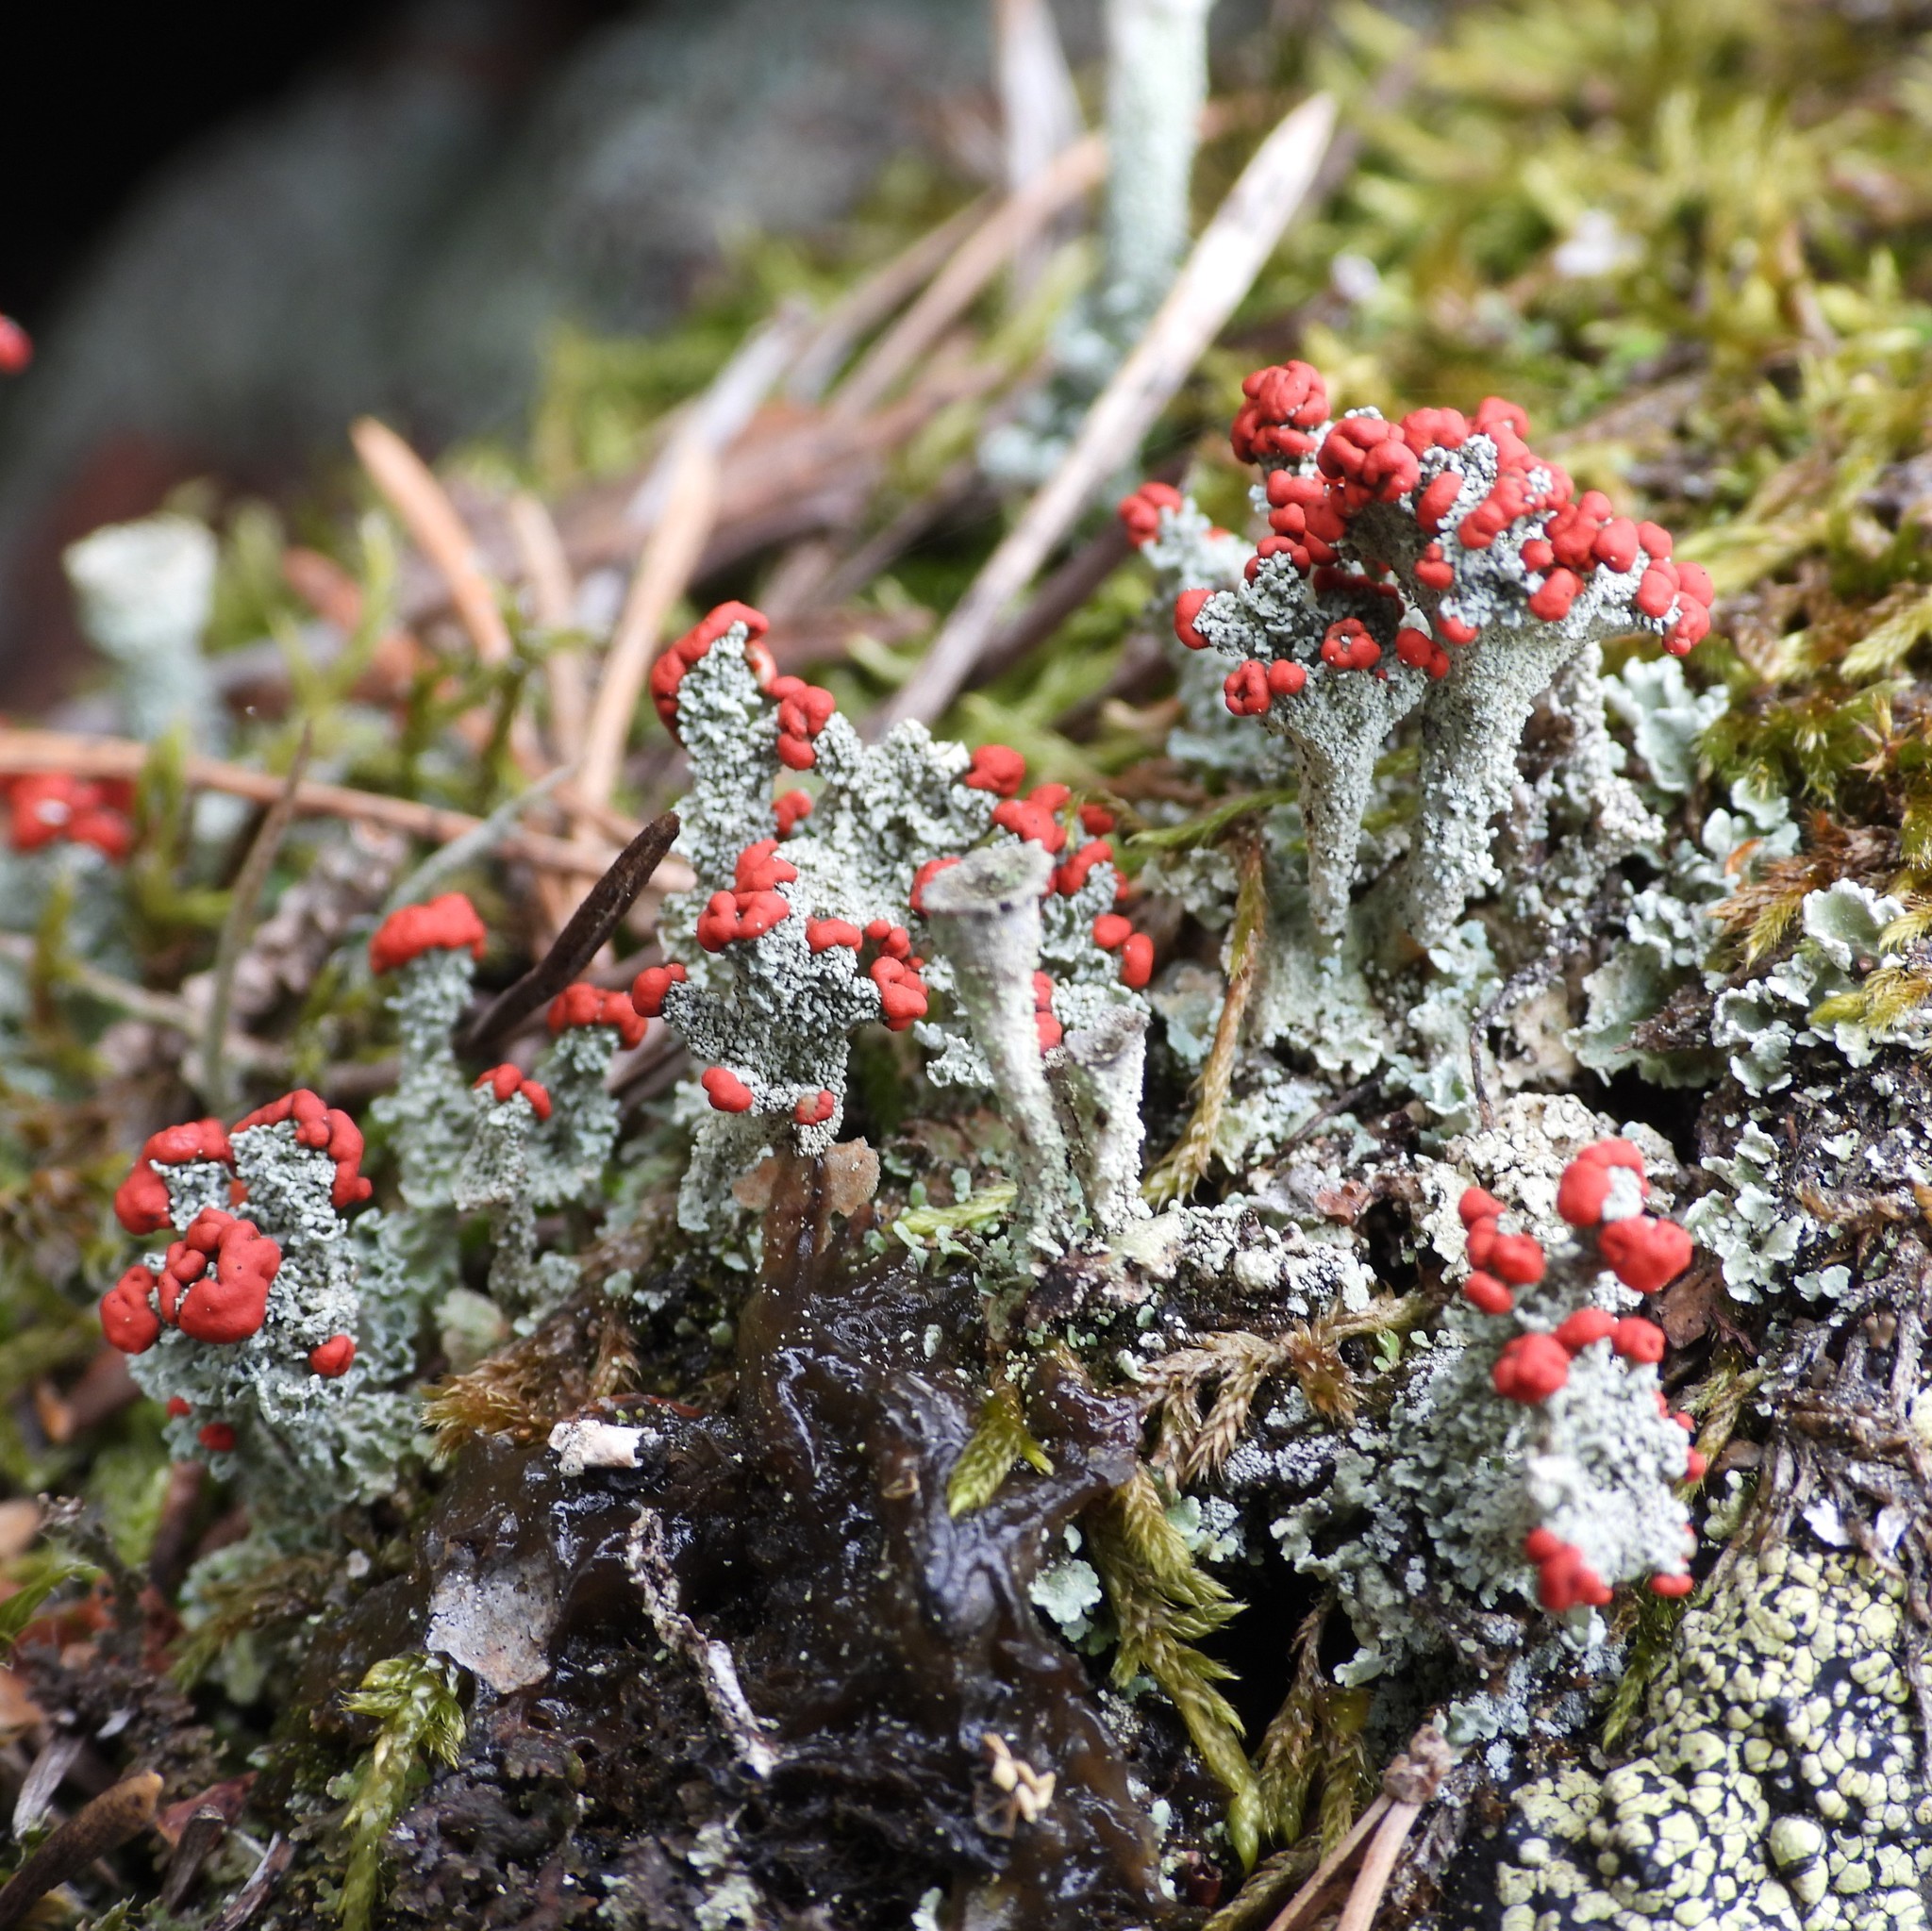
x=1180 y=1172
x=581 y=939
x=94 y=1830
x=245 y=900
x=123 y=757
x=664 y=569
x=1317 y=1895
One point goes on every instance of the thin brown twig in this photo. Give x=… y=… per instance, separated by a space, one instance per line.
x=94 y=1830
x=408 y=484
x=245 y=900
x=1181 y=1172
x=1219 y=270
x=879 y=296
x=662 y=572
x=552 y=595
x=138 y=1001
x=123 y=757
x=411 y=488
x=1317 y=1895
x=1076 y=172
x=583 y=937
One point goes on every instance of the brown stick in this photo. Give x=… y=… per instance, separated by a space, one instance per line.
x=94 y=1830
x=410 y=487
x=245 y=899
x=583 y=937
x=255 y=1893
x=552 y=596
x=662 y=572
x=856 y=314
x=1074 y=171
x=1308 y=1902
x=123 y=758
x=1378 y=1866
x=1218 y=272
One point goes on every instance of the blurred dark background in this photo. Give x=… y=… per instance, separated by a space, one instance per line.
x=230 y=229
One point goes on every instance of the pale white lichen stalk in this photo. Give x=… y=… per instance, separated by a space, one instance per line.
x=984 y=913
x=145 y=591
x=1157 y=84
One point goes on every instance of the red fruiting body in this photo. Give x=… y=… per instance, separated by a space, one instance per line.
x=803 y=709
x=727 y=1093
x=1564 y=1580
x=229 y=1303
x=788 y=810
x=1245 y=690
x=760 y=868
x=586 y=1004
x=1032 y=818
x=648 y=988
x=449 y=923
x=1045 y=1023
x=1694 y=1465
x=1481 y=1238
x=1477 y=1206
x=16 y=346
x=505 y=1082
x=326 y=1129
x=1370 y=460
x=1111 y=931
x=1348 y=645
x=141 y=1201
x=1432 y=569
x=668 y=672
x=923 y=877
x=1137 y=961
x=1187 y=607
x=332 y=1357
x=820 y=935
x=815 y=1110
x=1285 y=679
x=1582 y=1190
x=217 y=1438
x=177 y=1407
x=1096 y=820
x=128 y=1316
x=1530 y=1368
x=1140 y=513
x=1586 y=1182
x=728 y=916
x=1484 y=1290
x=46 y=806
x=1588 y=1324
x=893 y=940
x=1421 y=651
x=1542 y=1543
x=902 y=992
x=1552 y=602
x=1644 y=1254
x=1637 y=1340
x=1071 y=875
x=1517 y=1258
x=997 y=768
x=1671 y=1585
x=1283 y=403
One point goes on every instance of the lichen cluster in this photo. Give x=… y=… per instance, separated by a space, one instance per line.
x=1328 y=1175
